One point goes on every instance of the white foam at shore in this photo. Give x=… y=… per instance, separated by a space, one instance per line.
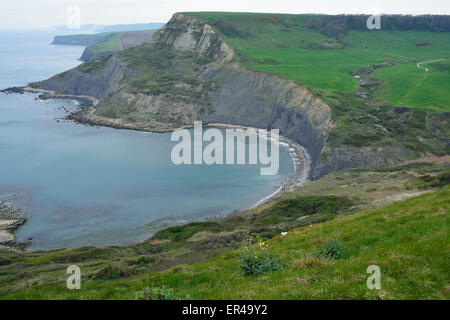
x=267 y=198
x=293 y=152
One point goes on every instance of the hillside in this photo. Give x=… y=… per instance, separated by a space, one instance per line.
x=320 y=91
x=408 y=240
x=116 y=42
x=107 y=45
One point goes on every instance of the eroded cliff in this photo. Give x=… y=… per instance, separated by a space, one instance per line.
x=188 y=72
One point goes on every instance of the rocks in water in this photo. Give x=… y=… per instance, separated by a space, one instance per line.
x=13 y=90
x=6 y=237
x=11 y=224
x=10 y=219
x=8 y=212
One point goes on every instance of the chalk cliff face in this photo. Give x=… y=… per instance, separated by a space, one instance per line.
x=187 y=72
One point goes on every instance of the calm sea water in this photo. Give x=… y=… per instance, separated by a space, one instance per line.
x=99 y=186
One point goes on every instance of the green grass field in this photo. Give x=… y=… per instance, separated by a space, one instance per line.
x=408 y=240
x=324 y=70
x=407 y=85
x=278 y=44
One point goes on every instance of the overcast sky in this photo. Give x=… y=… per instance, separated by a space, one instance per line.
x=38 y=14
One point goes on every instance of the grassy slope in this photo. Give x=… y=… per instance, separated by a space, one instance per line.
x=108 y=42
x=277 y=47
x=408 y=240
x=111 y=43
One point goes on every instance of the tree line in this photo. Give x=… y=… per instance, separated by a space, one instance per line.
x=338 y=25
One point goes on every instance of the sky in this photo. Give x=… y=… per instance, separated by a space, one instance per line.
x=43 y=14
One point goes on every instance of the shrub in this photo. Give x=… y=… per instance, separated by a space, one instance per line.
x=333 y=249
x=93 y=65
x=114 y=271
x=250 y=263
x=291 y=209
x=184 y=232
x=439 y=181
x=157 y=293
x=141 y=261
x=255 y=262
x=4 y=261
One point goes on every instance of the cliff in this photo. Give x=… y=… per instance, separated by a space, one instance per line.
x=96 y=84
x=189 y=72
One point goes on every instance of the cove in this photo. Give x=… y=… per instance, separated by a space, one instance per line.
x=87 y=186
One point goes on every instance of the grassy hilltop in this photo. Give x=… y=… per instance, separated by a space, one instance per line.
x=97 y=43
x=283 y=44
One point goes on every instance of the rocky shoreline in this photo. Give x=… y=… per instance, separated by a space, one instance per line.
x=49 y=94
x=11 y=218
